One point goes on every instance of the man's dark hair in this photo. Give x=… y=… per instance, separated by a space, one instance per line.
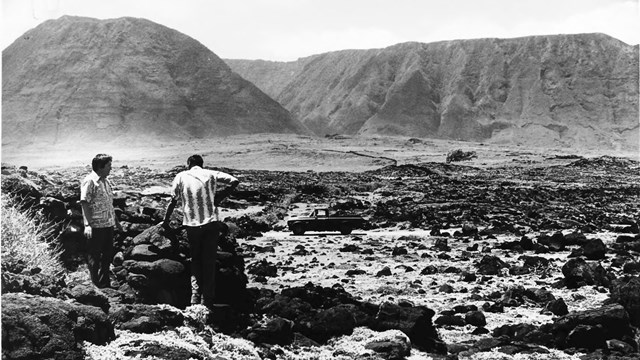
x=100 y=161
x=195 y=160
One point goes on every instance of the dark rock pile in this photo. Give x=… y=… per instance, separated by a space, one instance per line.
x=320 y=313
x=39 y=327
x=605 y=329
x=509 y=199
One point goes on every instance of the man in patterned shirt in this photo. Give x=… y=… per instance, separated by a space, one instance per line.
x=200 y=192
x=96 y=199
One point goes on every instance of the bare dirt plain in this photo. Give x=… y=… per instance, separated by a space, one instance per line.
x=417 y=206
x=287 y=153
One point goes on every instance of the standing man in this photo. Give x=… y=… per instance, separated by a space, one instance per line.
x=196 y=188
x=96 y=199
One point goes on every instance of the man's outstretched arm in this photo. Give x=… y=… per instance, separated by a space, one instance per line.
x=223 y=194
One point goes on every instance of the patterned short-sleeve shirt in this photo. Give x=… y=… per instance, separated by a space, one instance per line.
x=98 y=193
x=196 y=189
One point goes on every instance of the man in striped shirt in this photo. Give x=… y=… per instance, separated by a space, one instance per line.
x=201 y=191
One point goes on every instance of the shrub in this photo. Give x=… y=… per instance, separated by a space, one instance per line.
x=459 y=155
x=27 y=241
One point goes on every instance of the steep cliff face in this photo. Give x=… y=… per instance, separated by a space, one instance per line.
x=562 y=90
x=128 y=80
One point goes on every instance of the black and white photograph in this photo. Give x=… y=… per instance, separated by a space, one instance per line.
x=306 y=179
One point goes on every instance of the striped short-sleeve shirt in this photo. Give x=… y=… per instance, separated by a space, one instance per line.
x=196 y=188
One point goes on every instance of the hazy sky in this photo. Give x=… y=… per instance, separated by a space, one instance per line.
x=285 y=30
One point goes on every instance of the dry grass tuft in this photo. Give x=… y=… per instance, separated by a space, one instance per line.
x=27 y=242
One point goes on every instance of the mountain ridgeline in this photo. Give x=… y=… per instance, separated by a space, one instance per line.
x=127 y=80
x=78 y=80
x=562 y=90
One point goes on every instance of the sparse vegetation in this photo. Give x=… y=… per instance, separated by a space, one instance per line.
x=26 y=241
x=460 y=155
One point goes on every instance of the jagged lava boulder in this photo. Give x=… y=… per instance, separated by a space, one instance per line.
x=35 y=327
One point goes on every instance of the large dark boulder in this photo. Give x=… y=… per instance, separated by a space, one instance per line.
x=475 y=318
x=319 y=323
x=626 y=292
x=275 y=331
x=575 y=238
x=325 y=324
x=88 y=294
x=587 y=330
x=34 y=284
x=166 y=244
x=392 y=347
x=516 y=332
x=263 y=268
x=596 y=325
x=534 y=262
x=320 y=313
x=141 y=318
x=578 y=272
x=518 y=295
x=163 y=281
x=286 y=307
x=594 y=249
x=415 y=322
x=491 y=265
x=588 y=337
x=557 y=307
x=554 y=242
x=321 y=297
x=35 y=327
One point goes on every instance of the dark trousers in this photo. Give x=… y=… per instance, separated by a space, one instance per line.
x=203 y=241
x=99 y=255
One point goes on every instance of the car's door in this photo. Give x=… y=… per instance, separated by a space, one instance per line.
x=320 y=220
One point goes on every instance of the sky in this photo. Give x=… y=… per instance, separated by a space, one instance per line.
x=285 y=30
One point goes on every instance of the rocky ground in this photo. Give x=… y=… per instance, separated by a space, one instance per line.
x=532 y=257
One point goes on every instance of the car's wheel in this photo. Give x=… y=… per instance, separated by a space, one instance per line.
x=345 y=230
x=297 y=229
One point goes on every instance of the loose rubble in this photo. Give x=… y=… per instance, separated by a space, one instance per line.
x=473 y=240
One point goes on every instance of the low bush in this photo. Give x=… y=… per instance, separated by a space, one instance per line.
x=27 y=241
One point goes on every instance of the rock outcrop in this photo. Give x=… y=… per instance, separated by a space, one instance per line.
x=562 y=90
x=74 y=80
x=35 y=327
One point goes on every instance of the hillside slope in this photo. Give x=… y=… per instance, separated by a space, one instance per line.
x=561 y=90
x=81 y=80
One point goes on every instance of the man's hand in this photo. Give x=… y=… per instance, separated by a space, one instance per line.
x=87 y=231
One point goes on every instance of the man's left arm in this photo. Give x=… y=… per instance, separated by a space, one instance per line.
x=231 y=181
